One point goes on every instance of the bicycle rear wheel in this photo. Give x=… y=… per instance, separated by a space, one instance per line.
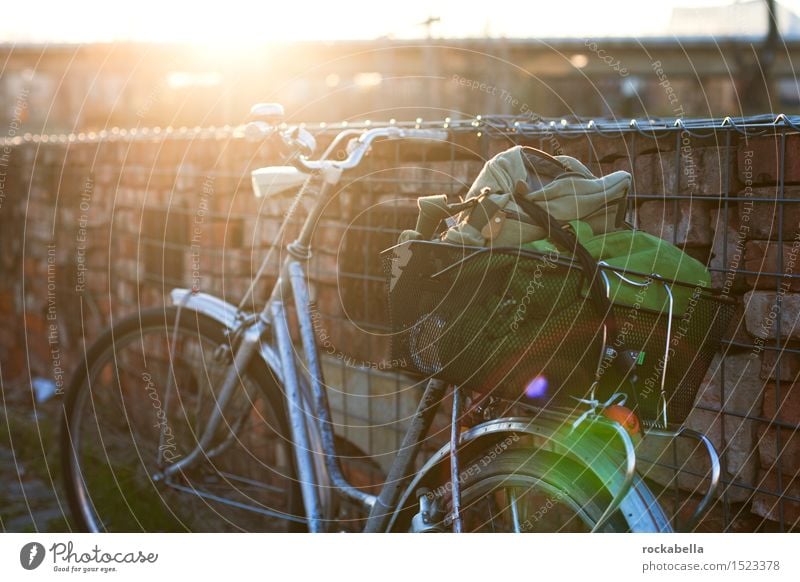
x=137 y=406
x=529 y=490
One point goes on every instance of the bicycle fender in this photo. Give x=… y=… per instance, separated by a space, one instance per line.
x=590 y=450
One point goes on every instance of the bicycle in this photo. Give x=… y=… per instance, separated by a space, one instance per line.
x=200 y=416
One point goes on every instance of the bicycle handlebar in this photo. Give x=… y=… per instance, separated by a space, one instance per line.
x=363 y=143
x=356 y=150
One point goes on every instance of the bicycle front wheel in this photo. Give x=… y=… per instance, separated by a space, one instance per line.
x=140 y=402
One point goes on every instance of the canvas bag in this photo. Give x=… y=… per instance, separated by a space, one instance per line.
x=560 y=185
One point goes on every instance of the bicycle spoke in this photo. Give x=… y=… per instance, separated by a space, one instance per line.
x=491 y=506
x=256 y=484
x=512 y=500
x=212 y=497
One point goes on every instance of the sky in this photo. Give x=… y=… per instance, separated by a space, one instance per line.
x=236 y=22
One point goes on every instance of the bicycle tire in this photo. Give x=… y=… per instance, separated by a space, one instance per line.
x=98 y=493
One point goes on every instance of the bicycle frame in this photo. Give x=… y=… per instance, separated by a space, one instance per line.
x=311 y=440
x=267 y=335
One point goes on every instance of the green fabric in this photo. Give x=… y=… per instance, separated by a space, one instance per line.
x=639 y=251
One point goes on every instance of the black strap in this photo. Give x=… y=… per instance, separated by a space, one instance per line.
x=482 y=213
x=564 y=238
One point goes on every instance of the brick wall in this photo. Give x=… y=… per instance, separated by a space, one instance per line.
x=94 y=227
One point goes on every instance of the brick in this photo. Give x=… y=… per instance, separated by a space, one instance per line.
x=761 y=219
x=772 y=454
x=186 y=179
x=693 y=224
x=234 y=288
x=243 y=201
x=273 y=206
x=7 y=300
x=144 y=154
x=629 y=146
x=330 y=236
x=714 y=172
x=13 y=362
x=325 y=267
x=98 y=284
x=759 y=160
x=578 y=148
x=788 y=370
x=608 y=166
x=743 y=395
x=128 y=268
x=207 y=262
x=654 y=174
x=35 y=324
x=763 y=258
x=703 y=171
x=96 y=254
x=762 y=315
x=328 y=300
x=785 y=409
x=769 y=505
x=218 y=234
x=151 y=296
x=126 y=292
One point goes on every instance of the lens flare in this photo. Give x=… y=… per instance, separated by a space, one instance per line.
x=537 y=387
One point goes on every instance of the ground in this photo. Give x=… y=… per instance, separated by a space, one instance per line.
x=31 y=498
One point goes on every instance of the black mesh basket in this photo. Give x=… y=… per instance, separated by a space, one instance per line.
x=517 y=325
